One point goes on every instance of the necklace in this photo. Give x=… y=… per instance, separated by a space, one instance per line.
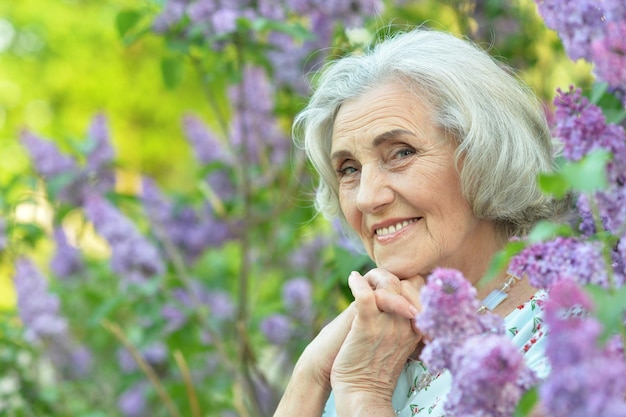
x=497 y=296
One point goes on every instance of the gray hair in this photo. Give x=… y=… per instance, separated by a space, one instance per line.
x=503 y=140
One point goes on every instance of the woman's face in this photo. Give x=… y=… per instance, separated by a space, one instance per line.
x=398 y=186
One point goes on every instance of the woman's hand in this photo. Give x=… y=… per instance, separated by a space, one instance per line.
x=367 y=366
x=309 y=386
x=396 y=296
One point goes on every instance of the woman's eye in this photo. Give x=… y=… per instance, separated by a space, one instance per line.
x=401 y=153
x=346 y=170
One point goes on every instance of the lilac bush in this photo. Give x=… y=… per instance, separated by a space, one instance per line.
x=182 y=294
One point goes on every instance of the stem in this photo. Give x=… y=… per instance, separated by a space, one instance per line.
x=183 y=275
x=145 y=367
x=606 y=250
x=245 y=352
x=221 y=118
x=191 y=392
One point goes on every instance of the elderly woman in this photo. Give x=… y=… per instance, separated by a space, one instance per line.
x=428 y=151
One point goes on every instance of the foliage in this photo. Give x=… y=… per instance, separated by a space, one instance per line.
x=153 y=283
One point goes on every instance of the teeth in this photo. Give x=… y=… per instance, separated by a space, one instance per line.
x=383 y=231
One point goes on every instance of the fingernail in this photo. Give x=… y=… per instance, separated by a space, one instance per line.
x=414 y=311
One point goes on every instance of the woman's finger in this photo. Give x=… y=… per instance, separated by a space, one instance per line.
x=393 y=295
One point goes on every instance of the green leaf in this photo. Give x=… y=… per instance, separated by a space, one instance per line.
x=501 y=259
x=295 y=30
x=126 y=20
x=615 y=116
x=610 y=306
x=553 y=183
x=172 y=69
x=588 y=174
x=546 y=230
x=105 y=309
x=527 y=403
x=597 y=92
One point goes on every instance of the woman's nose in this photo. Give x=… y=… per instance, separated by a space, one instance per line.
x=375 y=191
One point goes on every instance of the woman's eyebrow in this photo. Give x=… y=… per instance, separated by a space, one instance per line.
x=387 y=136
x=378 y=141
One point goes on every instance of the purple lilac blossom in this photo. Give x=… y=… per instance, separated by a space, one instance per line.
x=208 y=149
x=101 y=155
x=563 y=258
x=38 y=308
x=254 y=125
x=450 y=316
x=132 y=402
x=70 y=360
x=489 y=378
x=277 y=328
x=582 y=127
x=609 y=54
x=191 y=231
x=488 y=372
x=67 y=259
x=577 y=23
x=305 y=257
x=218 y=302
x=298 y=298
x=172 y=14
x=586 y=378
x=47 y=158
x=133 y=257
x=591 y=30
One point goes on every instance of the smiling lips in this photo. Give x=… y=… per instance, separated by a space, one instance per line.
x=384 y=231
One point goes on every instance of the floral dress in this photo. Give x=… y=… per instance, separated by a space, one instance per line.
x=419 y=393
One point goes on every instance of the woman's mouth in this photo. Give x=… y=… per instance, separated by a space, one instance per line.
x=384 y=231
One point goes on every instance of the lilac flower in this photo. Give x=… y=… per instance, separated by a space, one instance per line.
x=288 y=61
x=188 y=230
x=209 y=149
x=546 y=263
x=586 y=378
x=133 y=257
x=609 y=54
x=225 y=20
x=450 y=316
x=172 y=13
x=218 y=302
x=489 y=375
x=67 y=259
x=488 y=378
x=577 y=23
x=254 y=125
x=153 y=354
x=132 y=402
x=450 y=304
x=270 y=10
x=201 y=10
x=101 y=154
x=277 y=328
x=306 y=257
x=38 y=309
x=298 y=298
x=47 y=158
